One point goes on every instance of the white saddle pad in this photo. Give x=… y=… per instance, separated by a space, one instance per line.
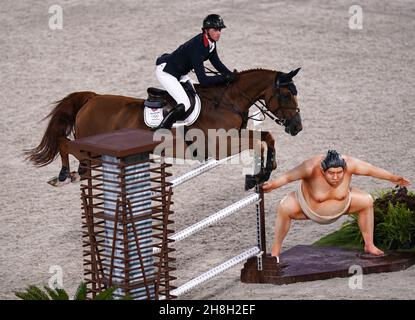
x=154 y=116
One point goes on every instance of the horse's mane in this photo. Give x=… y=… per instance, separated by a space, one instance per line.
x=243 y=72
x=255 y=70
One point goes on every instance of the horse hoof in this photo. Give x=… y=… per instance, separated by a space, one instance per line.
x=75 y=177
x=56 y=183
x=250 y=182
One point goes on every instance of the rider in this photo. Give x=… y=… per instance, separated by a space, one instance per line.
x=173 y=68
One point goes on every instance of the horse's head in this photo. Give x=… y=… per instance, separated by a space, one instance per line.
x=281 y=101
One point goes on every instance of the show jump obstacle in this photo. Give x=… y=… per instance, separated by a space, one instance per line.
x=126 y=217
x=127 y=237
x=125 y=202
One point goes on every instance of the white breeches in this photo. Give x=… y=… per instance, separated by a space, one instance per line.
x=173 y=86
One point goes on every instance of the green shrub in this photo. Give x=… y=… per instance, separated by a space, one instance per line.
x=348 y=236
x=394 y=221
x=35 y=293
x=397 y=230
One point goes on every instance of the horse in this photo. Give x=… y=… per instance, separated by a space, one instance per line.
x=223 y=107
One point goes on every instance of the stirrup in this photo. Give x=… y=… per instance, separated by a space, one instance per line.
x=174 y=115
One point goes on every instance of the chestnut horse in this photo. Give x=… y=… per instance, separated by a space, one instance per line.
x=223 y=107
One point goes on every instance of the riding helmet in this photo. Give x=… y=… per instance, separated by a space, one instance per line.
x=213 y=21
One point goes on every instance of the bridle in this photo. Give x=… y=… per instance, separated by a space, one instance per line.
x=263 y=106
x=264 y=109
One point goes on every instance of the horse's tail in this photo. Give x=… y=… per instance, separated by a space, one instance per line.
x=61 y=124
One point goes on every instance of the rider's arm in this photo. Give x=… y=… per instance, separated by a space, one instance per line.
x=215 y=61
x=360 y=167
x=204 y=80
x=301 y=171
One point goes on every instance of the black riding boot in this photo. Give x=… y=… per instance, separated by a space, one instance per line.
x=175 y=114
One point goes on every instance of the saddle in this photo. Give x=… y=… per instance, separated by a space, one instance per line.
x=159 y=103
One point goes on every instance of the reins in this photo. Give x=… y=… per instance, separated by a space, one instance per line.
x=263 y=107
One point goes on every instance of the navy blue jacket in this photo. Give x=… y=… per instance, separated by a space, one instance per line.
x=191 y=55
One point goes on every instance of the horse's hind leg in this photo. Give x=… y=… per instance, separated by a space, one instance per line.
x=76 y=177
x=82 y=167
x=64 y=175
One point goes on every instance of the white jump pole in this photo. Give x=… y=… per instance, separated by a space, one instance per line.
x=204 y=277
x=183 y=234
x=204 y=167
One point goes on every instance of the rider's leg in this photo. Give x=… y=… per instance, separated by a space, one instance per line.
x=175 y=89
x=173 y=86
x=187 y=81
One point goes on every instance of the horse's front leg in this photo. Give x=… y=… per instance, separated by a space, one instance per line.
x=256 y=141
x=271 y=163
x=271 y=153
